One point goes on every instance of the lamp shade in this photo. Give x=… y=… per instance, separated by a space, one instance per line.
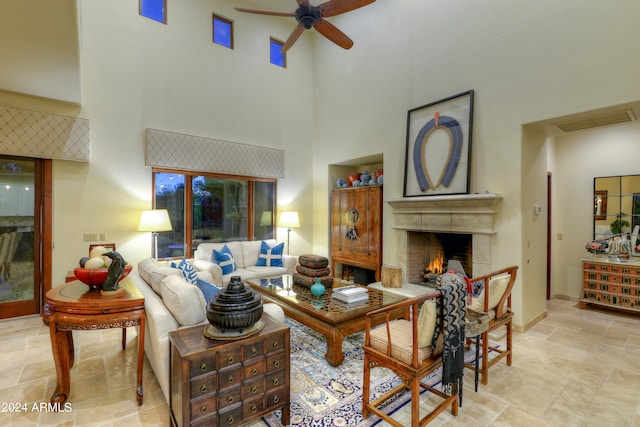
x=289 y=219
x=155 y=220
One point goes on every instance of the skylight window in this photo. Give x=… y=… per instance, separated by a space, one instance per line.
x=154 y=9
x=277 y=57
x=222 y=31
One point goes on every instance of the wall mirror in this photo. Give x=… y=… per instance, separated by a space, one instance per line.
x=616 y=206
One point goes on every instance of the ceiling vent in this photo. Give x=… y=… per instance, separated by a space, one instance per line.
x=604 y=119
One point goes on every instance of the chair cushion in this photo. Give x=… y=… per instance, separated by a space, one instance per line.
x=401 y=339
x=270 y=256
x=184 y=300
x=497 y=287
x=224 y=259
x=426 y=323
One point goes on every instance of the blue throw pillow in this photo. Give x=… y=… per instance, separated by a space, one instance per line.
x=225 y=260
x=208 y=290
x=270 y=256
x=188 y=271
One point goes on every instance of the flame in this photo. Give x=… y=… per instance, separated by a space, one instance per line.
x=436 y=264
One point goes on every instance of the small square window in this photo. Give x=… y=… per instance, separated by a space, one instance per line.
x=277 y=57
x=154 y=9
x=222 y=31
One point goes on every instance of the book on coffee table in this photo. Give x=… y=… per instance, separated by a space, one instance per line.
x=350 y=294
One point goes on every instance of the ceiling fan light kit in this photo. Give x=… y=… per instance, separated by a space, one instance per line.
x=309 y=16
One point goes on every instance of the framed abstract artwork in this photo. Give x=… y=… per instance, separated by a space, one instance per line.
x=438 y=153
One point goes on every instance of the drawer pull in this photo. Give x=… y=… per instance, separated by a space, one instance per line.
x=276 y=381
x=254 y=351
x=276 y=345
x=275 y=399
x=230 y=360
x=203 y=409
x=230 y=399
x=254 y=371
x=230 y=379
x=230 y=420
x=254 y=389
x=276 y=363
x=203 y=388
x=203 y=367
x=254 y=409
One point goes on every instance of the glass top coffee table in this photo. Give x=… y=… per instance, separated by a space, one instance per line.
x=332 y=318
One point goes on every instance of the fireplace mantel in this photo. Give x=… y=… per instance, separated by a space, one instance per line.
x=464 y=213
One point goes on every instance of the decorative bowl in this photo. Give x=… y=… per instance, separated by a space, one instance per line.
x=95 y=277
x=237 y=307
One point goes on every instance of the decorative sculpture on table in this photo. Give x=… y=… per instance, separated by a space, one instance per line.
x=115 y=271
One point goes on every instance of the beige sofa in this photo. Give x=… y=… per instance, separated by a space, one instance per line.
x=171 y=303
x=245 y=255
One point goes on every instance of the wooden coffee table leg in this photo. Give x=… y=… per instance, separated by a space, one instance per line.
x=334 y=347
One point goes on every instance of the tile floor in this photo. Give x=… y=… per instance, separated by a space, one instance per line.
x=574 y=368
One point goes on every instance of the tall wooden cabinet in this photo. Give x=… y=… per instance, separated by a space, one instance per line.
x=356 y=227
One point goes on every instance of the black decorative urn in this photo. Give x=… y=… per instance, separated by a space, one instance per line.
x=235 y=308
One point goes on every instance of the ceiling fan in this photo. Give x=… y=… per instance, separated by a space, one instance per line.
x=309 y=16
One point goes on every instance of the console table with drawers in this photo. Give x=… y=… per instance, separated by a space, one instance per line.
x=611 y=284
x=227 y=383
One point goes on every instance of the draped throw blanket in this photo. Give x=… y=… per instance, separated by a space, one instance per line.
x=450 y=320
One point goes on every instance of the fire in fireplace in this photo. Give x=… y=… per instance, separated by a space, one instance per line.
x=429 y=253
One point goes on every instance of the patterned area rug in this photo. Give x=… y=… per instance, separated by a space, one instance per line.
x=323 y=395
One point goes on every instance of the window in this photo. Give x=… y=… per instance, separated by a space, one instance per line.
x=222 y=31
x=277 y=57
x=154 y=9
x=212 y=208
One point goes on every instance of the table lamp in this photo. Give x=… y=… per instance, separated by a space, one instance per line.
x=155 y=220
x=289 y=220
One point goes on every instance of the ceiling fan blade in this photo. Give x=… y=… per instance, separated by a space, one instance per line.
x=264 y=12
x=332 y=32
x=336 y=7
x=295 y=35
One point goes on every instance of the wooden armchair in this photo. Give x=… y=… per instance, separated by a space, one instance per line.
x=400 y=346
x=495 y=299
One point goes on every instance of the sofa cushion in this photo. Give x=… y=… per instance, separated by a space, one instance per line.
x=184 y=300
x=145 y=267
x=251 y=251
x=208 y=290
x=270 y=256
x=188 y=271
x=158 y=275
x=224 y=259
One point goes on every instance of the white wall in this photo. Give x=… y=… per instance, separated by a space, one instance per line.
x=138 y=74
x=527 y=61
x=580 y=157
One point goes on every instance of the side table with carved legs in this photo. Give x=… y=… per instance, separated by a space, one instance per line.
x=74 y=306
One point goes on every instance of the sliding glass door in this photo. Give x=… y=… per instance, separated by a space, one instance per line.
x=21 y=207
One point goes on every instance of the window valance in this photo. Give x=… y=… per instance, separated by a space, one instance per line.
x=43 y=135
x=187 y=152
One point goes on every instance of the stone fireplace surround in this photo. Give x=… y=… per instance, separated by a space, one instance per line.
x=465 y=213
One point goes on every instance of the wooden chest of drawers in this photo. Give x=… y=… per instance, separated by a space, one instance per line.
x=611 y=284
x=227 y=383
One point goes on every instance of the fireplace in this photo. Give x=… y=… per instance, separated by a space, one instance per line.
x=428 y=253
x=452 y=216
